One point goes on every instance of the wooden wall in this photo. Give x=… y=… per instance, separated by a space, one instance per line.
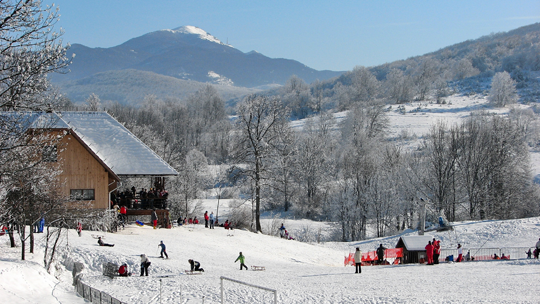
x=81 y=170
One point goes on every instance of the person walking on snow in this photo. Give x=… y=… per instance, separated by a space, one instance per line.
x=242 y=259
x=163 y=251
x=358 y=260
x=145 y=263
x=206 y=219
x=282 y=231
x=460 y=253
x=211 y=219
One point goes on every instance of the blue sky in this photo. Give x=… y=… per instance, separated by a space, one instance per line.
x=332 y=35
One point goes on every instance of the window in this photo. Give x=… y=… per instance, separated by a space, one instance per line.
x=50 y=153
x=82 y=194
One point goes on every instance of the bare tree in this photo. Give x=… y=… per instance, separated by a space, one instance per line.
x=260 y=120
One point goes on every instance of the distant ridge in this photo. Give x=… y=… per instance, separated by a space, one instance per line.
x=187 y=53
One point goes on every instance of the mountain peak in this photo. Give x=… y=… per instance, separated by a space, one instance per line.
x=193 y=30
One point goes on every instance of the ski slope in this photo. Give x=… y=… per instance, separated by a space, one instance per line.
x=300 y=272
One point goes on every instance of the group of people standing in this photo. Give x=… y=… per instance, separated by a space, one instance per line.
x=210 y=221
x=433 y=251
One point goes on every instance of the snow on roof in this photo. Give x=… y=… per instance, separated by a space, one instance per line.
x=416 y=242
x=116 y=146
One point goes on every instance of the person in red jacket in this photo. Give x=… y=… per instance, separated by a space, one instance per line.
x=123 y=270
x=206 y=219
x=429 y=253
x=436 y=251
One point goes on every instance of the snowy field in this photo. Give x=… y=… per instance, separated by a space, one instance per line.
x=300 y=272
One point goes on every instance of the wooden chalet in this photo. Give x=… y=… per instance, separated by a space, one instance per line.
x=414 y=247
x=95 y=152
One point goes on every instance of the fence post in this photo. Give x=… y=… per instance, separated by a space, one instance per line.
x=222 y=299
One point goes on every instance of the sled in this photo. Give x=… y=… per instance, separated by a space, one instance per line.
x=139 y=223
x=258 y=268
x=189 y=272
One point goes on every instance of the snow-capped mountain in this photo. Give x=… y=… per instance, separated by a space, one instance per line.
x=187 y=53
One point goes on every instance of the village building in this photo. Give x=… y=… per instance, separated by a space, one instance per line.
x=95 y=153
x=414 y=247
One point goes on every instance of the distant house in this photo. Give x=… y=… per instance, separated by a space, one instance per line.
x=414 y=247
x=96 y=152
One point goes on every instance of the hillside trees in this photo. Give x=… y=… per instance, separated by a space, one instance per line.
x=314 y=165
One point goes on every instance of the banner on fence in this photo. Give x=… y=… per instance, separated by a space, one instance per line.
x=372 y=256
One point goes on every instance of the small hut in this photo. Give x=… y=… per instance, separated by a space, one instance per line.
x=414 y=247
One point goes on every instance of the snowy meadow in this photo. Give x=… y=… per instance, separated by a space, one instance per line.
x=300 y=272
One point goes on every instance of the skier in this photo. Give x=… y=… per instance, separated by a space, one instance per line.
x=79 y=228
x=163 y=250
x=242 y=259
x=206 y=219
x=211 y=219
x=282 y=231
x=195 y=266
x=358 y=260
x=380 y=254
x=429 y=253
x=101 y=243
x=145 y=263
x=154 y=218
x=460 y=253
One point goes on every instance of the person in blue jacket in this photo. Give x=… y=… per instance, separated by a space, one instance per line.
x=163 y=251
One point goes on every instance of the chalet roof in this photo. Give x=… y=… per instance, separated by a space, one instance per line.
x=115 y=145
x=414 y=242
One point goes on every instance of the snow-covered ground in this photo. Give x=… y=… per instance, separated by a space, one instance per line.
x=300 y=272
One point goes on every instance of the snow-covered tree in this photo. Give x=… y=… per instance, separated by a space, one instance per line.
x=503 y=90
x=93 y=103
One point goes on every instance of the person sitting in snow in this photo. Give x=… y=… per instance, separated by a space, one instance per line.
x=195 y=266
x=101 y=243
x=123 y=271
